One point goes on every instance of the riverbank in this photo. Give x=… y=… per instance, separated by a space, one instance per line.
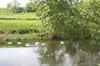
x=29 y=50
x=9 y=37
x=2 y=37
x=26 y=26
x=20 y=26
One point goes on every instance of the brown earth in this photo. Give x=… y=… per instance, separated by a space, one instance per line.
x=1 y=37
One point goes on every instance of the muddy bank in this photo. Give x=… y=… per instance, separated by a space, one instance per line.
x=2 y=37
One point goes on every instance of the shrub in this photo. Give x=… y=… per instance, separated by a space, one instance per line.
x=17 y=10
x=97 y=35
x=8 y=38
x=18 y=37
x=30 y=7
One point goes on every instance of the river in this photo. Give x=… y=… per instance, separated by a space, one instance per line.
x=50 y=53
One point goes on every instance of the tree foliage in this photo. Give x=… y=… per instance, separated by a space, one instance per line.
x=70 y=18
x=30 y=7
x=9 y=5
x=16 y=7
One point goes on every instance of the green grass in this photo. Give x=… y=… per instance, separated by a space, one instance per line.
x=25 y=36
x=6 y=13
x=19 y=15
x=20 y=29
x=20 y=26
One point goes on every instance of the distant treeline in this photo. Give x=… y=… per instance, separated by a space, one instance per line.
x=15 y=7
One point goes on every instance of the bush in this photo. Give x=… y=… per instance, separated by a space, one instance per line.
x=17 y=10
x=30 y=7
x=70 y=19
x=18 y=37
x=97 y=35
x=8 y=38
x=1 y=32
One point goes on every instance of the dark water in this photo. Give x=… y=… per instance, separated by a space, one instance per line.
x=50 y=53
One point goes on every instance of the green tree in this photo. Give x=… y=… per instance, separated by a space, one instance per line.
x=9 y=5
x=30 y=7
x=15 y=4
x=16 y=7
x=66 y=18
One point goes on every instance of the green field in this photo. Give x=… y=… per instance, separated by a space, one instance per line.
x=20 y=15
x=6 y=13
x=20 y=26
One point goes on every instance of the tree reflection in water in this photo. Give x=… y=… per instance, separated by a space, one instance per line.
x=69 y=54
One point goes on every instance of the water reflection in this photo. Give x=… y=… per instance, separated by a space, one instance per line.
x=50 y=53
x=71 y=54
x=18 y=57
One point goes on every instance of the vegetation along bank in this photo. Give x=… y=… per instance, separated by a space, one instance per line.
x=67 y=19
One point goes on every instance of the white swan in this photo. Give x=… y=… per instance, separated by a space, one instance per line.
x=10 y=43
x=62 y=42
x=19 y=43
x=27 y=45
x=43 y=44
x=36 y=43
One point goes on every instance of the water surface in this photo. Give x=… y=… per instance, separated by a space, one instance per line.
x=50 y=53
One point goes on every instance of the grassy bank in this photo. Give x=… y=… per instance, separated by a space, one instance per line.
x=6 y=13
x=25 y=36
x=21 y=30
x=19 y=26
x=17 y=23
x=19 y=15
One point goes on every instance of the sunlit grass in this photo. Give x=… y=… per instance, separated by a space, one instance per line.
x=6 y=13
x=20 y=26
x=20 y=15
x=25 y=36
x=20 y=29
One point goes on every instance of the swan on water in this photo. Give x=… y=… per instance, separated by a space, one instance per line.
x=10 y=43
x=62 y=42
x=19 y=43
